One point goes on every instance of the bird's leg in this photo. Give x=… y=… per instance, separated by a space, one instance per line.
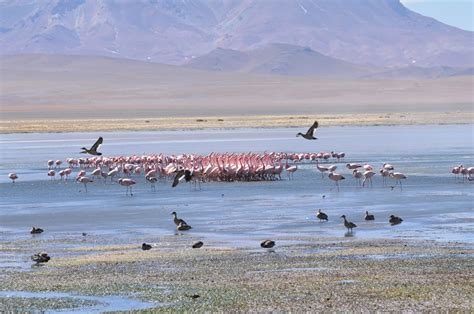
x=131 y=191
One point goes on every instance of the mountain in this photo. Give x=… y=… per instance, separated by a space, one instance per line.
x=364 y=32
x=281 y=59
x=77 y=87
x=421 y=72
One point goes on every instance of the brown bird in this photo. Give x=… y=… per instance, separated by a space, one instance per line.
x=35 y=230
x=93 y=149
x=394 y=220
x=368 y=217
x=349 y=225
x=198 y=245
x=183 y=227
x=310 y=133
x=321 y=216
x=40 y=258
x=146 y=247
x=180 y=175
x=267 y=244
x=176 y=220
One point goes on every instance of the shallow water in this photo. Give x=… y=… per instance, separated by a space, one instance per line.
x=433 y=204
x=102 y=304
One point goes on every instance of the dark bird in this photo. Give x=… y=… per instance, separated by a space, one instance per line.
x=93 y=149
x=180 y=175
x=198 y=245
x=321 y=216
x=84 y=234
x=394 y=220
x=176 y=220
x=349 y=225
x=310 y=132
x=183 y=227
x=193 y=296
x=146 y=247
x=40 y=258
x=368 y=216
x=35 y=230
x=267 y=244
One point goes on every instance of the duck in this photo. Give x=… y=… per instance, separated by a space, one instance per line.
x=368 y=216
x=35 y=230
x=40 y=258
x=176 y=220
x=394 y=220
x=183 y=227
x=309 y=135
x=198 y=245
x=321 y=216
x=267 y=244
x=146 y=247
x=348 y=224
x=93 y=149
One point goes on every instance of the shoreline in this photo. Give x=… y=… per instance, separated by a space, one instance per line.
x=61 y=125
x=314 y=274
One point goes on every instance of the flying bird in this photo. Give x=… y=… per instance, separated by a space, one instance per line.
x=309 y=134
x=180 y=175
x=93 y=149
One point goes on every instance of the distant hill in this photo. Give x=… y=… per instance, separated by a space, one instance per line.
x=421 y=72
x=54 y=86
x=380 y=33
x=281 y=59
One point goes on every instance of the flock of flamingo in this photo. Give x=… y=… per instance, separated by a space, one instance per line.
x=219 y=167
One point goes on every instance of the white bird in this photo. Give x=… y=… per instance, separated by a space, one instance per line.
x=357 y=175
x=368 y=177
x=336 y=178
x=353 y=166
x=322 y=169
x=387 y=166
x=398 y=176
x=84 y=180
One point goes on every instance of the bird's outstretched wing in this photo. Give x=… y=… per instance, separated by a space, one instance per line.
x=97 y=144
x=178 y=177
x=312 y=128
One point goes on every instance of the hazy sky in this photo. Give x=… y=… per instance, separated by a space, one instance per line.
x=459 y=13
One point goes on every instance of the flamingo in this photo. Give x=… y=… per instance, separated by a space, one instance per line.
x=336 y=178
x=353 y=166
x=290 y=170
x=384 y=173
x=128 y=184
x=321 y=169
x=58 y=163
x=67 y=172
x=357 y=175
x=398 y=176
x=50 y=164
x=152 y=181
x=112 y=173
x=387 y=167
x=12 y=176
x=368 y=177
x=52 y=174
x=84 y=180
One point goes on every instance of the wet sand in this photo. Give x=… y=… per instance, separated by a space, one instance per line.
x=301 y=274
x=236 y=121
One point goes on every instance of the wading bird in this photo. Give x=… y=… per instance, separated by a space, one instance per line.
x=349 y=225
x=12 y=176
x=368 y=217
x=128 y=184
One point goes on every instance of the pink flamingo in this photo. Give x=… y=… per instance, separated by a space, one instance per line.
x=353 y=166
x=322 y=169
x=357 y=175
x=368 y=177
x=12 y=176
x=58 y=163
x=152 y=181
x=52 y=174
x=67 y=172
x=398 y=176
x=128 y=184
x=50 y=164
x=61 y=174
x=384 y=173
x=336 y=178
x=84 y=180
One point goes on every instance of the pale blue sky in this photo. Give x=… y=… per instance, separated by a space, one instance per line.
x=459 y=13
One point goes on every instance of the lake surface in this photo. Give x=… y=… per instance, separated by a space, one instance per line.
x=433 y=204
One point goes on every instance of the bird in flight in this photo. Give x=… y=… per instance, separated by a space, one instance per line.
x=310 y=133
x=180 y=175
x=93 y=149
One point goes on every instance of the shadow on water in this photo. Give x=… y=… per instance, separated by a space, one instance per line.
x=100 y=304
